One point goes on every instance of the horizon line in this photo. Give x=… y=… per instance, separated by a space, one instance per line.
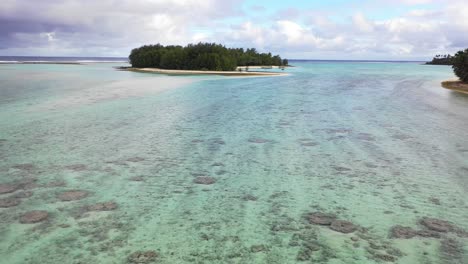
x=361 y=60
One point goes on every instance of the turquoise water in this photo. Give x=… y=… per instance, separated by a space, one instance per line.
x=375 y=144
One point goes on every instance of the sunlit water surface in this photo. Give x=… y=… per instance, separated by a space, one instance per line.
x=229 y=170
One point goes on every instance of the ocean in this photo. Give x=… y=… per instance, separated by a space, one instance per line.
x=337 y=162
x=10 y=59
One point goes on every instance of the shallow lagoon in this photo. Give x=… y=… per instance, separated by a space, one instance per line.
x=229 y=170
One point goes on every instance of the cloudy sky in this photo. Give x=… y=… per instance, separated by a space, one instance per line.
x=296 y=29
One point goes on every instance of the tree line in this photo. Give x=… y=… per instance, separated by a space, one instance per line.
x=201 y=56
x=460 y=65
x=442 y=60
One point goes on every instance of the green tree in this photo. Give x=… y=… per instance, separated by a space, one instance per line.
x=442 y=60
x=201 y=56
x=168 y=60
x=460 y=65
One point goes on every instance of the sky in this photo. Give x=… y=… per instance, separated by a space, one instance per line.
x=295 y=29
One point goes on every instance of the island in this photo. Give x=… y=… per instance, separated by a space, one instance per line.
x=203 y=58
x=460 y=68
x=441 y=60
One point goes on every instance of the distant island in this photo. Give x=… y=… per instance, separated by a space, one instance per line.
x=202 y=57
x=441 y=60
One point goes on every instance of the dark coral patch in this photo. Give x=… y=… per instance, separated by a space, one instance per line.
x=309 y=144
x=336 y=138
x=72 y=195
x=9 y=202
x=28 y=183
x=249 y=197
x=106 y=206
x=341 y=169
x=399 y=231
x=135 y=159
x=53 y=184
x=370 y=165
x=25 y=194
x=34 y=217
x=137 y=178
x=452 y=250
x=437 y=224
x=428 y=233
x=204 y=180
x=258 y=140
x=25 y=166
x=365 y=137
x=141 y=257
x=435 y=201
x=198 y=174
x=8 y=187
x=82 y=211
x=338 y=131
x=258 y=248
x=76 y=167
x=319 y=218
x=401 y=137
x=343 y=226
x=221 y=172
x=218 y=141
x=385 y=257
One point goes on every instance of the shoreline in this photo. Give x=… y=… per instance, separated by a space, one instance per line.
x=194 y=72
x=456 y=86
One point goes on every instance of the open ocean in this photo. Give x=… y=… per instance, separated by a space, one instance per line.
x=9 y=59
x=338 y=162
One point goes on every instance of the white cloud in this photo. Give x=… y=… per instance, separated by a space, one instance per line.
x=87 y=27
x=362 y=24
x=283 y=35
x=110 y=27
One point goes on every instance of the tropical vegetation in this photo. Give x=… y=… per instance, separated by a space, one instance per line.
x=201 y=56
x=460 y=65
x=442 y=60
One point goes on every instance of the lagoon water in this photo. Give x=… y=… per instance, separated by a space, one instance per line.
x=211 y=169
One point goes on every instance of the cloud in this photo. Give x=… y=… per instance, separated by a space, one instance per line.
x=110 y=27
x=283 y=35
x=416 y=34
x=362 y=24
x=89 y=25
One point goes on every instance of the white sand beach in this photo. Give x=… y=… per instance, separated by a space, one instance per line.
x=191 y=72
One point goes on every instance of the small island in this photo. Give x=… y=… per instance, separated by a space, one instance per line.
x=203 y=58
x=460 y=68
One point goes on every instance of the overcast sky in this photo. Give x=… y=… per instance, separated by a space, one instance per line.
x=302 y=29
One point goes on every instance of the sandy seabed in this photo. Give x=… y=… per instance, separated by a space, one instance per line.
x=337 y=163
